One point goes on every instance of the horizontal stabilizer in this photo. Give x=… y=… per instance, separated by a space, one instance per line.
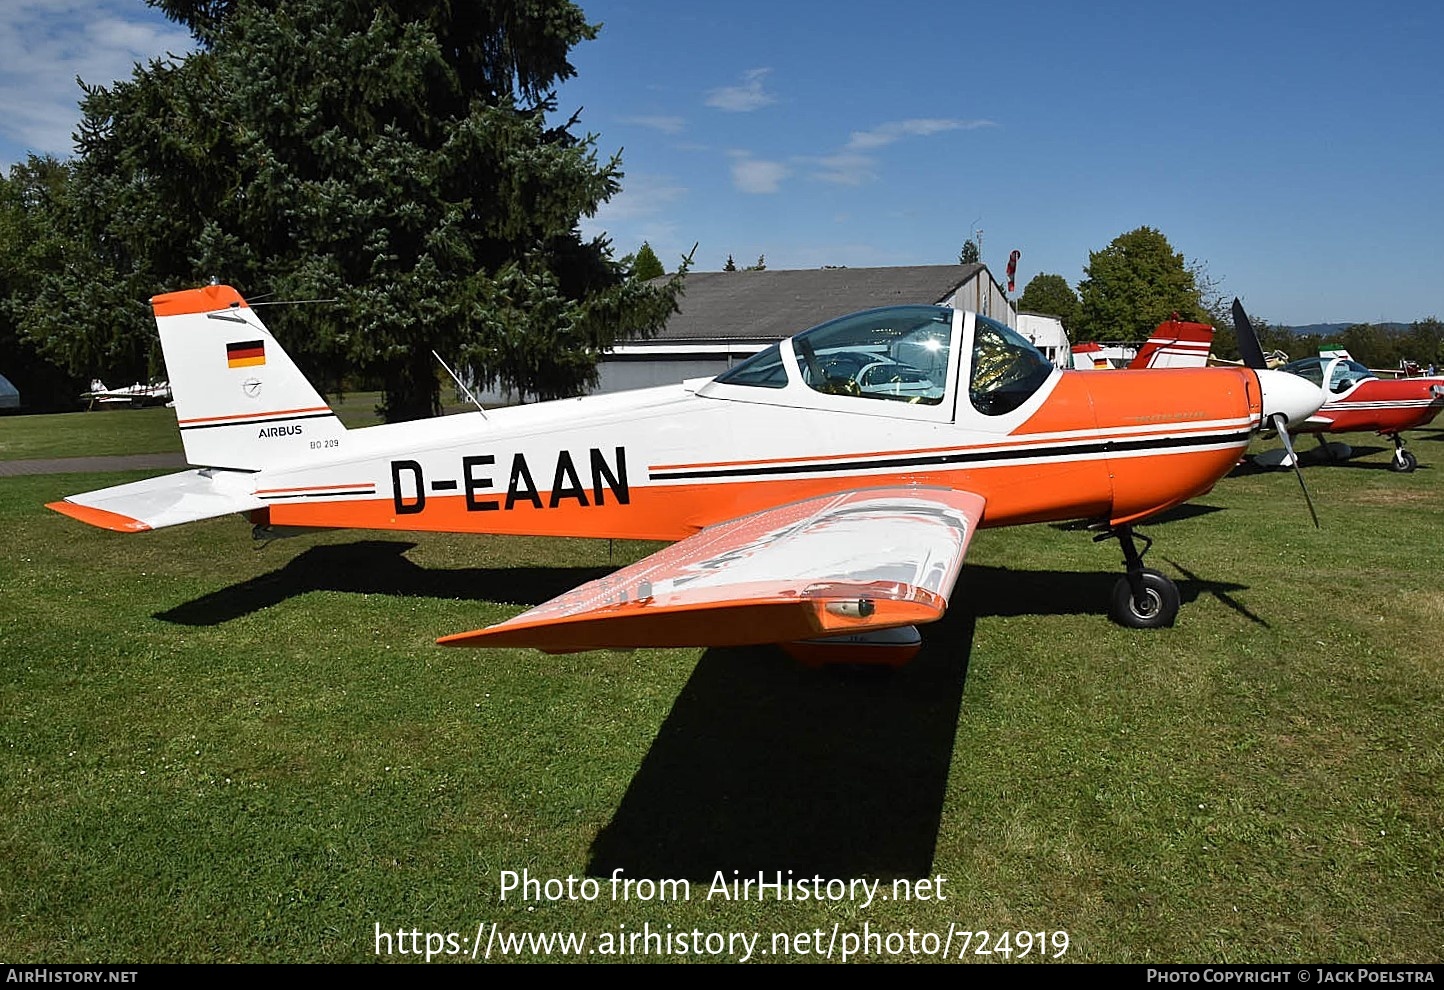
x=166 y=501
x=842 y=563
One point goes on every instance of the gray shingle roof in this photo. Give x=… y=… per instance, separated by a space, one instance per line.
x=774 y=304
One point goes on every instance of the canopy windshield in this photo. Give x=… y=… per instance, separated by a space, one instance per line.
x=898 y=353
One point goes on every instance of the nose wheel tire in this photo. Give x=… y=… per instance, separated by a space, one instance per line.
x=1155 y=607
x=1403 y=461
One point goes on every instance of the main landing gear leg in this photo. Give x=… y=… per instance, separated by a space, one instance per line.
x=1143 y=598
x=1403 y=460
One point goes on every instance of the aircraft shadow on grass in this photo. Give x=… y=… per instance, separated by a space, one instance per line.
x=378 y=567
x=762 y=764
x=1315 y=457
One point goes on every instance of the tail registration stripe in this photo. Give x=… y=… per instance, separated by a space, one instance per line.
x=254 y=415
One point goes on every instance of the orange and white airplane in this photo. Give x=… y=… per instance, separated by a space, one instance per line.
x=828 y=486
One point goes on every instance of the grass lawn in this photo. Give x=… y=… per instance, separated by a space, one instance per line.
x=210 y=751
x=82 y=434
x=138 y=431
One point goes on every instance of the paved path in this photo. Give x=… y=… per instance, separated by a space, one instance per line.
x=69 y=465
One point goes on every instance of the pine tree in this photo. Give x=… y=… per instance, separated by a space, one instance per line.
x=29 y=248
x=647 y=265
x=397 y=157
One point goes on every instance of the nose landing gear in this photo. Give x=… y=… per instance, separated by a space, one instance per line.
x=1403 y=461
x=1143 y=598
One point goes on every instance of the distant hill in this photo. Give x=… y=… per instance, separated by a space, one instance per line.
x=1332 y=329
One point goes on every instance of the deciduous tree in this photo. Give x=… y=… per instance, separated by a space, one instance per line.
x=1133 y=284
x=1052 y=295
x=1425 y=342
x=1373 y=346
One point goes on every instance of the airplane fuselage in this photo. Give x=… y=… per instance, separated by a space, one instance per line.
x=1381 y=406
x=828 y=484
x=663 y=463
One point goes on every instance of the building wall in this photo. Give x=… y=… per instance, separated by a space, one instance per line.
x=620 y=376
x=1046 y=333
x=983 y=295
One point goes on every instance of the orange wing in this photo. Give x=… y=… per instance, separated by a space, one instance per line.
x=850 y=562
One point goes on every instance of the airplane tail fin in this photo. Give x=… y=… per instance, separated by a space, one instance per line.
x=1088 y=356
x=1176 y=344
x=240 y=401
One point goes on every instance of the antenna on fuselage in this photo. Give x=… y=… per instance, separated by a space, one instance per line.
x=461 y=387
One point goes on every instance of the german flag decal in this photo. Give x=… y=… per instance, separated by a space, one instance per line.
x=246 y=353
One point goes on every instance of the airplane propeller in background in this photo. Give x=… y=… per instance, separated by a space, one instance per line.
x=1252 y=353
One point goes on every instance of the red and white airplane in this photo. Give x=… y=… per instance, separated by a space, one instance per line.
x=1359 y=401
x=1174 y=344
x=828 y=486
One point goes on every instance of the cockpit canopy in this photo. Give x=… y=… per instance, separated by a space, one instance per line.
x=1346 y=373
x=902 y=354
x=898 y=353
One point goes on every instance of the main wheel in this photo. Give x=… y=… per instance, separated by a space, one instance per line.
x=1403 y=461
x=1160 y=602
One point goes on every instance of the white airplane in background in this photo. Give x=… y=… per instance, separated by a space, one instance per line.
x=155 y=394
x=828 y=486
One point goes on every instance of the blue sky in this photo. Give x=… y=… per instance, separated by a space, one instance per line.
x=1296 y=149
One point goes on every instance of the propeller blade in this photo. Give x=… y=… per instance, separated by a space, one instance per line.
x=1248 y=346
x=1281 y=424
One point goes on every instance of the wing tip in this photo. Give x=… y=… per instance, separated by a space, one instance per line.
x=100 y=518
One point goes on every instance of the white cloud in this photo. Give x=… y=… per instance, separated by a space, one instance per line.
x=846 y=168
x=748 y=96
x=853 y=166
x=755 y=175
x=642 y=211
x=643 y=196
x=46 y=44
x=896 y=130
x=667 y=125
